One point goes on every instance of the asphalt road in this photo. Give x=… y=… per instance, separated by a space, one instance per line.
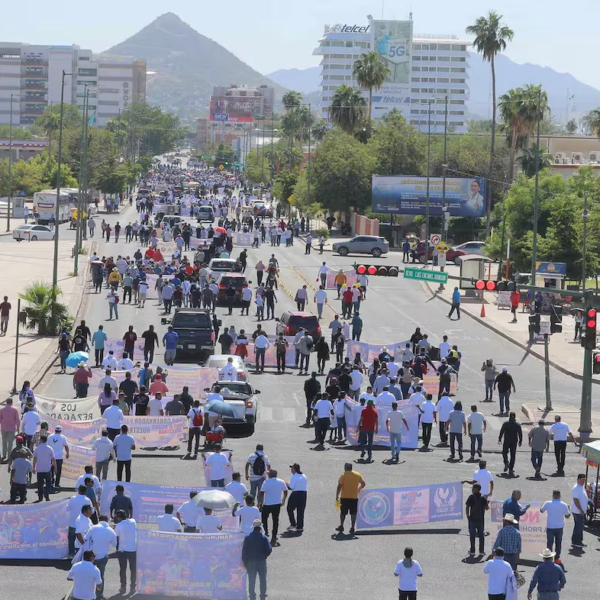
x=318 y=563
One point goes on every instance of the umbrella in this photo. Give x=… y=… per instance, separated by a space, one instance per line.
x=76 y=357
x=221 y=229
x=214 y=499
x=220 y=408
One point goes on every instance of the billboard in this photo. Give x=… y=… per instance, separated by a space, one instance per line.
x=406 y=195
x=233 y=109
x=393 y=42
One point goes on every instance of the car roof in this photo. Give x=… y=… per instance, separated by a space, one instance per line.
x=232 y=274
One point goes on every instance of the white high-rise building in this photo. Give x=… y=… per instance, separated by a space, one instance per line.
x=438 y=69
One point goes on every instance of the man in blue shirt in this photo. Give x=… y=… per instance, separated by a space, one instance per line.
x=455 y=304
x=98 y=339
x=255 y=551
x=170 y=343
x=511 y=506
x=124 y=444
x=548 y=577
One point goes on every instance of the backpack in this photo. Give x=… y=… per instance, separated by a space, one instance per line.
x=258 y=466
x=198 y=419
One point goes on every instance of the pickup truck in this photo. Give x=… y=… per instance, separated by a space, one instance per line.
x=196 y=335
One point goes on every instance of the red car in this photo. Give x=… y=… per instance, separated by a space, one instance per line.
x=239 y=282
x=290 y=323
x=418 y=254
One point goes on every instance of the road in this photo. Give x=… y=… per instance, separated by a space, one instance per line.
x=318 y=563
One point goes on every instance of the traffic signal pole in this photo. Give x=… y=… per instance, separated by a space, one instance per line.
x=547 y=372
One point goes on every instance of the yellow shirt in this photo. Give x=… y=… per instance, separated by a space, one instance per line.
x=340 y=279
x=349 y=482
x=115 y=276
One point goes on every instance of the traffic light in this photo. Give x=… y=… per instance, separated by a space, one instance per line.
x=499 y=285
x=556 y=319
x=590 y=328
x=377 y=270
x=534 y=324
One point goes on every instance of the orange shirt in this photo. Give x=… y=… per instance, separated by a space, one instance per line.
x=340 y=279
x=158 y=386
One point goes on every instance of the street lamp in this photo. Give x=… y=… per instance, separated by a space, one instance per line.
x=10 y=124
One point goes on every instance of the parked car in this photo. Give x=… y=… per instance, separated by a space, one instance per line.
x=243 y=399
x=33 y=233
x=218 y=361
x=239 y=282
x=216 y=266
x=363 y=244
x=290 y=323
x=418 y=253
x=477 y=248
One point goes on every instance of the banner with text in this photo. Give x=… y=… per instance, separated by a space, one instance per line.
x=79 y=457
x=191 y=565
x=78 y=409
x=369 y=352
x=532 y=526
x=386 y=507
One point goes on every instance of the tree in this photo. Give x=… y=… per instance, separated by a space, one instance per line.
x=571 y=126
x=530 y=156
x=292 y=100
x=319 y=129
x=347 y=108
x=43 y=310
x=370 y=73
x=491 y=37
x=18 y=133
x=225 y=156
x=283 y=186
x=592 y=121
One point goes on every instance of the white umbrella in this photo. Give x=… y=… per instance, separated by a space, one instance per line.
x=214 y=499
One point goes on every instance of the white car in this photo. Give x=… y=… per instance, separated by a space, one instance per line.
x=216 y=266
x=218 y=361
x=477 y=248
x=243 y=399
x=33 y=233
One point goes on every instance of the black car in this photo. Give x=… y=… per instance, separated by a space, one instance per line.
x=196 y=335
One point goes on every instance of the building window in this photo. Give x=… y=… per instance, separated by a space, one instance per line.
x=87 y=72
x=443 y=80
x=414 y=101
x=414 y=90
x=457 y=101
x=424 y=112
x=442 y=90
x=416 y=47
x=426 y=90
x=425 y=47
x=457 y=81
x=456 y=112
x=443 y=58
x=415 y=79
x=443 y=69
x=457 y=70
x=458 y=59
x=453 y=91
x=459 y=47
x=416 y=69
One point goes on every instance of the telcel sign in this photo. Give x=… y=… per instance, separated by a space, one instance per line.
x=339 y=28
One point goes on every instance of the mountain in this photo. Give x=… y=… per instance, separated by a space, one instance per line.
x=186 y=65
x=509 y=74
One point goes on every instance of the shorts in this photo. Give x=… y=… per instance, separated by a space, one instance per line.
x=170 y=355
x=349 y=505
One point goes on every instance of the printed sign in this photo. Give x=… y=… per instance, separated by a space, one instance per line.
x=532 y=526
x=79 y=457
x=79 y=409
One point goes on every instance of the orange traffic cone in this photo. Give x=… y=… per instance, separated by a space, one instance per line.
x=482 y=314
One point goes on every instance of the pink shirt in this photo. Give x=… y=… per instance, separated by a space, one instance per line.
x=158 y=386
x=9 y=419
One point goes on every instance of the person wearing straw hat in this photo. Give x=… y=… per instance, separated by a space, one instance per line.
x=509 y=538
x=548 y=577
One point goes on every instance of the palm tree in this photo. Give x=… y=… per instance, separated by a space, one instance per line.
x=370 y=73
x=50 y=123
x=44 y=312
x=491 y=37
x=592 y=121
x=292 y=100
x=519 y=110
x=347 y=108
x=319 y=129
x=529 y=157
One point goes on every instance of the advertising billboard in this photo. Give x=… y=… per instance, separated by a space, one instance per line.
x=406 y=195
x=393 y=42
x=232 y=109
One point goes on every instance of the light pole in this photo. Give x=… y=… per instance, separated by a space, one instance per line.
x=585 y=215
x=445 y=219
x=10 y=160
x=308 y=162
x=57 y=205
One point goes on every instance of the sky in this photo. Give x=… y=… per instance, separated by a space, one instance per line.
x=271 y=35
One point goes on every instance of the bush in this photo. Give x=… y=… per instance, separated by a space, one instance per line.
x=323 y=231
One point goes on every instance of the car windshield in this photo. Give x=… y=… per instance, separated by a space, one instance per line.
x=237 y=282
x=192 y=321
x=306 y=322
x=221 y=265
x=219 y=363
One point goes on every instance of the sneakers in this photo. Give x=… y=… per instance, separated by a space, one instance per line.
x=340 y=529
x=351 y=530
x=505 y=467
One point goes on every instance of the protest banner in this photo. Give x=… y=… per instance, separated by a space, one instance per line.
x=242 y=239
x=191 y=565
x=351 y=278
x=271 y=353
x=98 y=374
x=78 y=409
x=369 y=352
x=207 y=470
x=386 y=507
x=34 y=532
x=532 y=526
x=195 y=378
x=409 y=438
x=118 y=346
x=149 y=502
x=79 y=457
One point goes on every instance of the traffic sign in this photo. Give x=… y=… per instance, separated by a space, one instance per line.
x=442 y=247
x=441 y=259
x=435 y=239
x=425 y=275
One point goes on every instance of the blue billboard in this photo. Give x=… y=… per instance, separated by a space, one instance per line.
x=406 y=195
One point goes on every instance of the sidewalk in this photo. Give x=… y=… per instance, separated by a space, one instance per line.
x=565 y=354
x=24 y=264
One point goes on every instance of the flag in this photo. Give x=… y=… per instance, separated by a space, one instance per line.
x=92 y=119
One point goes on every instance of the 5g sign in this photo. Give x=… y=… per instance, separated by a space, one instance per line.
x=397 y=51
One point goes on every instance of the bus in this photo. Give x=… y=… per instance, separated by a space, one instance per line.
x=44 y=206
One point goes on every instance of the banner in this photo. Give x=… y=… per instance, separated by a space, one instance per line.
x=34 y=531
x=386 y=507
x=149 y=502
x=118 y=346
x=369 y=352
x=532 y=526
x=243 y=239
x=191 y=565
x=207 y=470
x=79 y=458
x=98 y=374
x=405 y=195
x=351 y=279
x=195 y=378
x=409 y=438
x=78 y=409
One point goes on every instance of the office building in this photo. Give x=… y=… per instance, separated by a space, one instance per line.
x=32 y=75
x=242 y=103
x=435 y=67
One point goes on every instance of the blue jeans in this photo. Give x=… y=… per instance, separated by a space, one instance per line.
x=113 y=308
x=319 y=310
x=101 y=564
x=554 y=536
x=366 y=437
x=578 y=521
x=341 y=427
x=395 y=443
x=254 y=568
x=476 y=532
x=63 y=359
x=489 y=389
x=260 y=358
x=476 y=440
x=536 y=460
x=255 y=486
x=504 y=401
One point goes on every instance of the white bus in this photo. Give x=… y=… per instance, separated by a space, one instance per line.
x=44 y=206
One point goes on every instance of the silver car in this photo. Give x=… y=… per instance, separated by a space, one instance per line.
x=477 y=248
x=362 y=244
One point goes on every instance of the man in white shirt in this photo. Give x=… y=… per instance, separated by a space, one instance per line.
x=366 y=396
x=58 y=443
x=217 y=462
x=320 y=300
x=108 y=378
x=89 y=473
x=323 y=270
x=578 y=509
x=168 y=522
x=247 y=514
x=444 y=407
x=114 y=419
x=74 y=506
x=406 y=355
x=444 y=347
x=125 y=364
x=323 y=411
x=246 y=299
x=500 y=575
x=560 y=432
x=393 y=367
x=101 y=538
x=103 y=447
x=86 y=577
x=208 y=523
x=271 y=501
x=236 y=488
x=189 y=512
x=484 y=478
x=477 y=426
x=261 y=343
x=393 y=422
x=110 y=362
x=228 y=372
x=155 y=406
x=29 y=424
x=557 y=512
x=126 y=531
x=428 y=412
x=356 y=383
x=385 y=398
x=82 y=525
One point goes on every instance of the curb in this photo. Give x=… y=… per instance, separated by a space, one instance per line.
x=511 y=339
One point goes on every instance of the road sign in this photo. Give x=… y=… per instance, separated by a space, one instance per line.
x=425 y=275
x=435 y=239
x=442 y=247
x=441 y=259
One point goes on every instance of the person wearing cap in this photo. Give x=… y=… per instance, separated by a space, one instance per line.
x=81 y=380
x=501 y=577
x=504 y=383
x=445 y=372
x=255 y=551
x=60 y=446
x=158 y=385
x=548 y=577
x=509 y=539
x=368 y=425
x=86 y=577
x=298 y=485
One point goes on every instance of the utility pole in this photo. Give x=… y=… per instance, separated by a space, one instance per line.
x=585 y=216
x=272 y=154
x=308 y=163
x=428 y=181
x=536 y=207
x=547 y=372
